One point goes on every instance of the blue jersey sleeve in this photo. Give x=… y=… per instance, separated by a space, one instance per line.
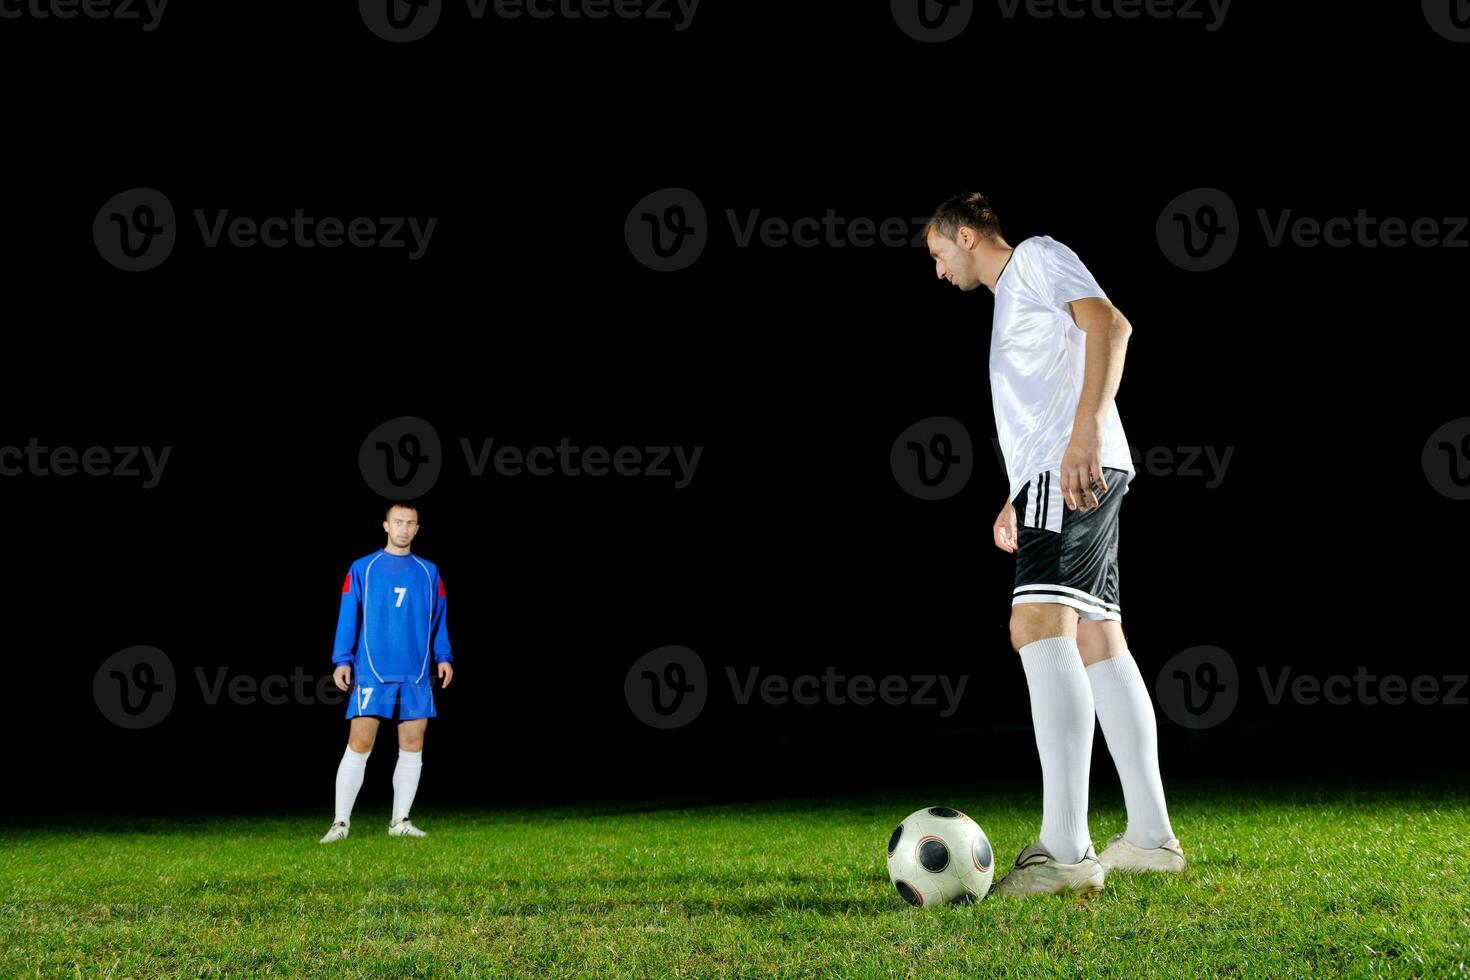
x=441 y=624
x=349 y=616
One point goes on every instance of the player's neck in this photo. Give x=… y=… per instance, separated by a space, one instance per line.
x=395 y=551
x=992 y=264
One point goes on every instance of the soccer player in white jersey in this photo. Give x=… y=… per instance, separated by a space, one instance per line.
x=391 y=619
x=1056 y=360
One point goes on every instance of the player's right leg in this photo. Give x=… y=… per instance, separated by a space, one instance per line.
x=1062 y=858
x=362 y=732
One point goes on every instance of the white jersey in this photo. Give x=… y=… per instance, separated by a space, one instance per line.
x=1037 y=360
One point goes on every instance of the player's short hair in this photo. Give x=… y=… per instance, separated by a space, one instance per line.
x=389 y=509
x=966 y=209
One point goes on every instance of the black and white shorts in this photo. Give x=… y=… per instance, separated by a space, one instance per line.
x=1069 y=556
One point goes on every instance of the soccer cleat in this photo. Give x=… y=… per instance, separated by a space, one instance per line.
x=1123 y=855
x=1036 y=872
x=402 y=828
x=337 y=831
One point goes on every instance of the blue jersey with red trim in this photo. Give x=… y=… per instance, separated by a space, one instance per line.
x=392 y=618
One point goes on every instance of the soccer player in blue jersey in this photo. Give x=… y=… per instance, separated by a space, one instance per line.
x=1057 y=346
x=391 y=620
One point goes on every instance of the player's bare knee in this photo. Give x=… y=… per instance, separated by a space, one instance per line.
x=1032 y=621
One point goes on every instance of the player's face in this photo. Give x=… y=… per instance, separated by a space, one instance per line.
x=953 y=262
x=401 y=526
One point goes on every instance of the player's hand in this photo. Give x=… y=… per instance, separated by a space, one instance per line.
x=342 y=677
x=1005 y=529
x=446 y=674
x=1082 y=475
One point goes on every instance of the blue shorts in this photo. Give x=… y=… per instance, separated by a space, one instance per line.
x=382 y=698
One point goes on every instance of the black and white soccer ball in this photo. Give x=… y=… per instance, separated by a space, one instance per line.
x=938 y=856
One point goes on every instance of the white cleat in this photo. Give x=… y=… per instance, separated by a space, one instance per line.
x=337 y=831
x=402 y=828
x=1123 y=855
x=1036 y=872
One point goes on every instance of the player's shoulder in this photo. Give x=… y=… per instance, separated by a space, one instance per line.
x=367 y=559
x=1040 y=246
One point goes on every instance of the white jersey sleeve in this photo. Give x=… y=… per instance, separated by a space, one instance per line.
x=1064 y=276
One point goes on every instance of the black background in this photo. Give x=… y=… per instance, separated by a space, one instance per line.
x=1324 y=370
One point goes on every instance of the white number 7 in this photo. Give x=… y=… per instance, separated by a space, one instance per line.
x=400 y=590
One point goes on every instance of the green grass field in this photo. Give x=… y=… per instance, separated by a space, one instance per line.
x=1299 y=881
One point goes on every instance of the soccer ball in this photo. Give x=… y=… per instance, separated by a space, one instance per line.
x=937 y=856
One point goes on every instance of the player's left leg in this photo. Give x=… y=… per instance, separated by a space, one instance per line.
x=1126 y=713
x=406 y=775
x=1100 y=639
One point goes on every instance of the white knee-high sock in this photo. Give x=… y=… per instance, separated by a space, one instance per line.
x=406 y=781
x=1062 y=712
x=349 y=781
x=1127 y=718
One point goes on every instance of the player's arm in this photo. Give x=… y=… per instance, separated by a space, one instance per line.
x=1107 y=332
x=442 y=656
x=1106 y=346
x=348 y=618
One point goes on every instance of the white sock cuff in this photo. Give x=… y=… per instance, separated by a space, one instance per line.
x=1119 y=667
x=352 y=757
x=406 y=757
x=1052 y=653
